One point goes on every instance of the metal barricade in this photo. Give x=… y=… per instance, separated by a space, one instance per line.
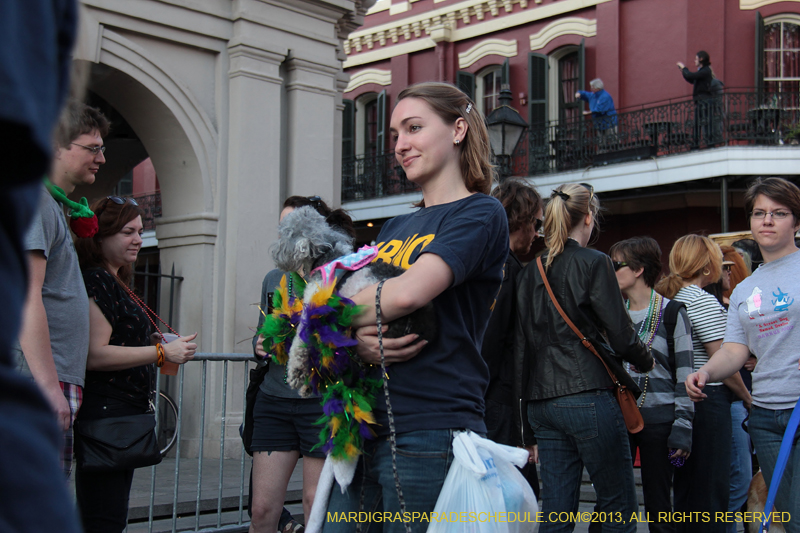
x=198 y=504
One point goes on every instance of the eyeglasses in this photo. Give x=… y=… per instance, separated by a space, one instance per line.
x=121 y=201
x=758 y=214
x=93 y=149
x=537 y=224
x=619 y=264
x=726 y=268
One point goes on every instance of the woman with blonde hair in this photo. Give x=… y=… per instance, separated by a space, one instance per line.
x=703 y=483
x=571 y=407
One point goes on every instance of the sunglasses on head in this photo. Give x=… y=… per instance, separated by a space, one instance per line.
x=121 y=201
x=619 y=264
x=316 y=201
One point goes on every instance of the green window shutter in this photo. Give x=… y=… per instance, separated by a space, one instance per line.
x=348 y=129
x=537 y=89
x=759 y=49
x=466 y=82
x=381 y=137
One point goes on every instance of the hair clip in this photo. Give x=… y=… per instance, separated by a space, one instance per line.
x=564 y=196
x=469 y=107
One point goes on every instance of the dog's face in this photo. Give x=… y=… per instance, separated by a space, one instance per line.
x=305 y=239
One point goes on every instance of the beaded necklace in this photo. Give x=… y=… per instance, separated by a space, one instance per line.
x=647 y=332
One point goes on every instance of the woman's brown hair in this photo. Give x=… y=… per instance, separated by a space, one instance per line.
x=450 y=104
x=111 y=218
x=739 y=269
x=520 y=201
x=691 y=256
x=778 y=190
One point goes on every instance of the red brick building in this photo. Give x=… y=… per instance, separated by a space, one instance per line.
x=653 y=179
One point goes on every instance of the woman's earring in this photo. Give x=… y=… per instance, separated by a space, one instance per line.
x=706 y=272
x=456 y=142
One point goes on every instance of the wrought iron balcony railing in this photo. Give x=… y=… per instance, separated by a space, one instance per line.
x=733 y=119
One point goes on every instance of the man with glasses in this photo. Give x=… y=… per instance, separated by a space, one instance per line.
x=54 y=338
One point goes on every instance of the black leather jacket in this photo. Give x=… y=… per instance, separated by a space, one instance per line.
x=549 y=359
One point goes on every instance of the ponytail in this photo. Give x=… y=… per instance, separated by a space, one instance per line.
x=568 y=204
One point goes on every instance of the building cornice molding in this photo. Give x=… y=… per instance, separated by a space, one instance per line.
x=566 y=26
x=397 y=37
x=370 y=75
x=499 y=47
x=755 y=4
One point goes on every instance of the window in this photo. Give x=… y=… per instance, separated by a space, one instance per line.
x=782 y=58
x=568 y=83
x=371 y=128
x=488 y=86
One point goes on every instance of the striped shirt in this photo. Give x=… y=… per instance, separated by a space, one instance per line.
x=665 y=399
x=708 y=319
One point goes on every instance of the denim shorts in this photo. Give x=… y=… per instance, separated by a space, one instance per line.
x=286 y=424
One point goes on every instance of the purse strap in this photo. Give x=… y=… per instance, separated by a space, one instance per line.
x=585 y=341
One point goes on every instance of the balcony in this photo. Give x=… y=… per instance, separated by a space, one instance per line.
x=652 y=131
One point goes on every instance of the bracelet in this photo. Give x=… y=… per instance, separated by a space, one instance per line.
x=160 y=355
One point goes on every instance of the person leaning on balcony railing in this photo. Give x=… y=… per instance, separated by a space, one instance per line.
x=601 y=104
x=120 y=369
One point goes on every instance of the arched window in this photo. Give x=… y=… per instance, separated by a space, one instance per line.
x=568 y=83
x=488 y=88
x=782 y=56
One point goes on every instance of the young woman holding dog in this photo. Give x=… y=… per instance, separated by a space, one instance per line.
x=569 y=395
x=283 y=422
x=453 y=247
x=761 y=320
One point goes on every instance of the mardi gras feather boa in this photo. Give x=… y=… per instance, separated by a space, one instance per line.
x=279 y=327
x=334 y=373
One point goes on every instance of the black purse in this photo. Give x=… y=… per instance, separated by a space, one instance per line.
x=117 y=443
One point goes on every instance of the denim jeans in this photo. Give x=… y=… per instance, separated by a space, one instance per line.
x=584 y=429
x=423 y=459
x=656 y=471
x=766 y=429
x=741 y=461
x=702 y=484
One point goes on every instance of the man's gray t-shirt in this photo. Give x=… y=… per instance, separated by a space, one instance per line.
x=63 y=292
x=762 y=316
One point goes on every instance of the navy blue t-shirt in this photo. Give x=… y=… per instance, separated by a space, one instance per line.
x=444 y=385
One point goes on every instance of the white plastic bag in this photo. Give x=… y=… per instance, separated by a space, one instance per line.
x=484 y=492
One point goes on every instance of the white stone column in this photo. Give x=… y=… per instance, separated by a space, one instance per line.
x=312 y=117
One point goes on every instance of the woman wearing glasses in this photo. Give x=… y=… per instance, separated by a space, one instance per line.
x=571 y=407
x=762 y=320
x=120 y=370
x=703 y=483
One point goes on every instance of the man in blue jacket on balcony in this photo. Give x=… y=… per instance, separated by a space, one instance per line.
x=602 y=107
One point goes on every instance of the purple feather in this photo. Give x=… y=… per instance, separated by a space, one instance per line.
x=333 y=406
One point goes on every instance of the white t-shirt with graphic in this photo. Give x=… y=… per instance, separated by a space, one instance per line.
x=762 y=315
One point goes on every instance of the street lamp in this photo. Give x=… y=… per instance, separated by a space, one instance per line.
x=505 y=129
